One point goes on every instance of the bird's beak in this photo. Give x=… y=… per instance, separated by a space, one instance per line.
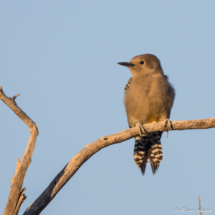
x=128 y=64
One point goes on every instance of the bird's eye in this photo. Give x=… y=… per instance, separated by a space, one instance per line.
x=141 y=62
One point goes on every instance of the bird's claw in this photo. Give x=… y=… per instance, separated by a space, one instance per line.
x=142 y=130
x=166 y=123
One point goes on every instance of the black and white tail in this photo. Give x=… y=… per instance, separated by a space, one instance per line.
x=148 y=147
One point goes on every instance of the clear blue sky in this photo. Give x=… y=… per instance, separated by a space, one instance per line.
x=61 y=56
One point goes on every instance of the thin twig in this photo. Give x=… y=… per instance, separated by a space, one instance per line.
x=200 y=212
x=14 y=97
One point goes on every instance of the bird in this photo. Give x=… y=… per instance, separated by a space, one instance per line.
x=148 y=98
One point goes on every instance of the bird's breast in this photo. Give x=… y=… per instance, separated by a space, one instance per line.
x=146 y=101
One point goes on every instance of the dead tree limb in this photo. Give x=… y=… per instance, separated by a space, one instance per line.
x=16 y=194
x=78 y=160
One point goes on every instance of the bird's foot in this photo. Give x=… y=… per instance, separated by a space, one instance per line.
x=142 y=130
x=166 y=123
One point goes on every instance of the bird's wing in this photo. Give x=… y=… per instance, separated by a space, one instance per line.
x=127 y=85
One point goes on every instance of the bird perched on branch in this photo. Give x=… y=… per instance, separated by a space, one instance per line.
x=148 y=98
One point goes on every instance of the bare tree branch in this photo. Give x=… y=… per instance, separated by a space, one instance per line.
x=22 y=197
x=78 y=160
x=200 y=210
x=17 y=167
x=16 y=195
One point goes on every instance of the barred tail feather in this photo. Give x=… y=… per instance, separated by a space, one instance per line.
x=148 y=147
x=155 y=156
x=140 y=159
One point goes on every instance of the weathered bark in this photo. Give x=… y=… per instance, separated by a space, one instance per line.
x=75 y=163
x=16 y=194
x=21 y=199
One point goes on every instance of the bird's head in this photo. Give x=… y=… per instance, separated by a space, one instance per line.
x=145 y=64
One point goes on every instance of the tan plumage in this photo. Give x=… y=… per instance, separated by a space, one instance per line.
x=148 y=97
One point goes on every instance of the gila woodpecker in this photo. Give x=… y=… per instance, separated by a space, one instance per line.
x=148 y=98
